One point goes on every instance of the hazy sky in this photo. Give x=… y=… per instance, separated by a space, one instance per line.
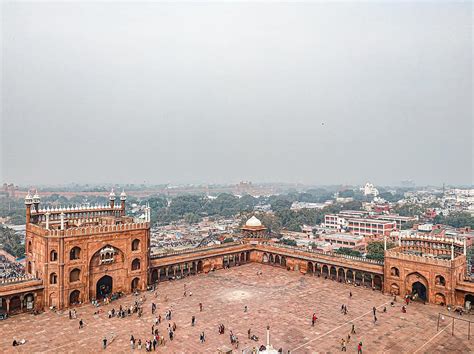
x=318 y=93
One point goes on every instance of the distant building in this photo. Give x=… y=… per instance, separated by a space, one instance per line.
x=369 y=189
x=359 y=226
x=346 y=240
x=305 y=205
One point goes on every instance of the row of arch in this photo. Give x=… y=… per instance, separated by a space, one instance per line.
x=274 y=259
x=439 y=279
x=332 y=272
x=346 y=275
x=75 y=274
x=75 y=296
x=75 y=252
x=180 y=270
x=18 y=303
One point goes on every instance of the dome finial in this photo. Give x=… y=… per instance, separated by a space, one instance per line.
x=112 y=195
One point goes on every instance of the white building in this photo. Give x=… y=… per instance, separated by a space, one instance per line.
x=369 y=189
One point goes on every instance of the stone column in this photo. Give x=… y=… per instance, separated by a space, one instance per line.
x=372 y=279
x=8 y=305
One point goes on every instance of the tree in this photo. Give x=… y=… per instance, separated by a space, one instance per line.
x=375 y=250
x=348 y=252
x=11 y=242
x=289 y=242
x=459 y=219
x=191 y=218
x=281 y=204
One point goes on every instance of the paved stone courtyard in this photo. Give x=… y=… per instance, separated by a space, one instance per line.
x=285 y=300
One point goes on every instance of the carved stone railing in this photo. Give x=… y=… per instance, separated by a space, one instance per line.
x=18 y=279
x=331 y=254
x=420 y=259
x=194 y=250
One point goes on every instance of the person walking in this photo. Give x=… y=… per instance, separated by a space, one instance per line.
x=104 y=343
x=343 y=345
x=359 y=348
x=193 y=321
x=81 y=324
x=353 y=331
x=200 y=306
x=248 y=333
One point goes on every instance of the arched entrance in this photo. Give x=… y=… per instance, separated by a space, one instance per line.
x=310 y=268
x=104 y=287
x=419 y=290
x=418 y=286
x=440 y=299
x=154 y=275
x=469 y=301
x=15 y=304
x=341 y=276
x=199 y=266
x=74 y=297
x=135 y=282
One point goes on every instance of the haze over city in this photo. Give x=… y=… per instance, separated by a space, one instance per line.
x=316 y=93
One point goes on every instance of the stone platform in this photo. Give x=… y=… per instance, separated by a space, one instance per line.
x=283 y=299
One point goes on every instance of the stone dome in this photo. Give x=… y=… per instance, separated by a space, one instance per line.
x=253 y=222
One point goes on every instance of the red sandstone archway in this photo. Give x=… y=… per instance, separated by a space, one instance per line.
x=199 y=266
x=277 y=259
x=310 y=268
x=154 y=275
x=341 y=274
x=415 y=282
x=350 y=275
x=74 y=297
x=440 y=299
x=15 y=304
x=378 y=282
x=394 y=289
x=135 y=284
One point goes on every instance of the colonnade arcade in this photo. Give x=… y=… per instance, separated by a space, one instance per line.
x=345 y=275
x=183 y=269
x=18 y=303
x=274 y=259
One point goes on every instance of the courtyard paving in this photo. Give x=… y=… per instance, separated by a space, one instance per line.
x=283 y=299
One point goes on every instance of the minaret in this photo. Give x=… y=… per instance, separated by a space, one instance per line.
x=123 y=198
x=112 y=198
x=36 y=201
x=28 y=202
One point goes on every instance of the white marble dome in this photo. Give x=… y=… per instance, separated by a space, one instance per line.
x=253 y=222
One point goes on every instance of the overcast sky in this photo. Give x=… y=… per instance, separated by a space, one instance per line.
x=318 y=93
